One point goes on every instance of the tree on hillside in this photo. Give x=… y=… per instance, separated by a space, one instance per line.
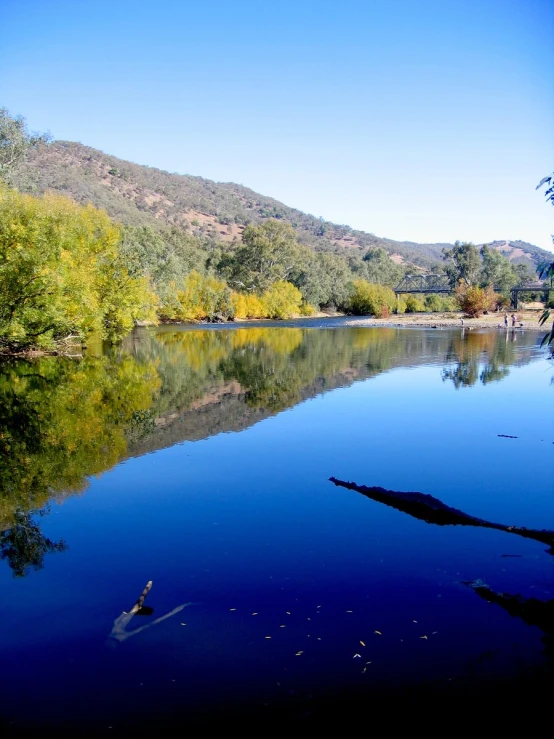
x=462 y=264
x=380 y=269
x=15 y=142
x=497 y=270
x=269 y=253
x=523 y=273
x=323 y=278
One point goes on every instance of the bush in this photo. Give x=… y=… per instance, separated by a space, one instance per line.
x=383 y=311
x=282 y=300
x=473 y=300
x=440 y=303
x=247 y=305
x=204 y=297
x=367 y=298
x=414 y=304
x=400 y=305
x=306 y=309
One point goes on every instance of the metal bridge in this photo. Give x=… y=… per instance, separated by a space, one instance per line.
x=427 y=284
x=423 y=284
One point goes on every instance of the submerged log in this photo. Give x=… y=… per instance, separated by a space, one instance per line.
x=431 y=510
x=120 y=633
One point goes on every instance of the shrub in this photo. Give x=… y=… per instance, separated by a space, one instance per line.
x=306 y=309
x=247 y=305
x=383 y=311
x=473 y=300
x=440 y=303
x=204 y=297
x=367 y=298
x=282 y=300
x=414 y=304
x=400 y=305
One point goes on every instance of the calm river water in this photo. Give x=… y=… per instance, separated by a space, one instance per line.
x=199 y=459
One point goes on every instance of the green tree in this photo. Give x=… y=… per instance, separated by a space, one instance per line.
x=336 y=280
x=523 y=273
x=380 y=269
x=497 y=270
x=462 y=264
x=269 y=253
x=547 y=268
x=15 y=142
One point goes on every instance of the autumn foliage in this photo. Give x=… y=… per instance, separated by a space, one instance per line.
x=474 y=300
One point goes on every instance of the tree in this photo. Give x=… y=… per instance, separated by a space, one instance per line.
x=547 y=268
x=462 y=263
x=269 y=253
x=549 y=192
x=336 y=280
x=380 y=269
x=497 y=270
x=523 y=273
x=15 y=142
x=61 y=274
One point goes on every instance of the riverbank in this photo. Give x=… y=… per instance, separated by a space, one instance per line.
x=527 y=319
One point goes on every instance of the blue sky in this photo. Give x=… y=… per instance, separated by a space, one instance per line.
x=427 y=120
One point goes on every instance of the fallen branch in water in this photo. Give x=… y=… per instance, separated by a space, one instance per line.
x=119 y=631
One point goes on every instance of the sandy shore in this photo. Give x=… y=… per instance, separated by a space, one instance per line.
x=528 y=317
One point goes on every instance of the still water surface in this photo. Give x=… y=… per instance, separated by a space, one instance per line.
x=200 y=459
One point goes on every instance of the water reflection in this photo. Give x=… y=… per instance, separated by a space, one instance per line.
x=532 y=611
x=480 y=356
x=24 y=546
x=63 y=421
x=432 y=510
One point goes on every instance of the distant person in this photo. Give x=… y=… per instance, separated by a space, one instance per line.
x=505 y=320
x=514 y=319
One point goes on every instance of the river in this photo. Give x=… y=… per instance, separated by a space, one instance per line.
x=198 y=459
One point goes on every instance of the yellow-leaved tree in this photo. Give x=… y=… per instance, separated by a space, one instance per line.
x=60 y=273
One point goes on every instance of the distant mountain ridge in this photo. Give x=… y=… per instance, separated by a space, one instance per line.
x=140 y=195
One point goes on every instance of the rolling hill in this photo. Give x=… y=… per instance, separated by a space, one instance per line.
x=139 y=195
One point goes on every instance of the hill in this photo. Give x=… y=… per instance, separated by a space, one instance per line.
x=134 y=194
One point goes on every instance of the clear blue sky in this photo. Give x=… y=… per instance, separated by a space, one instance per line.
x=428 y=120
